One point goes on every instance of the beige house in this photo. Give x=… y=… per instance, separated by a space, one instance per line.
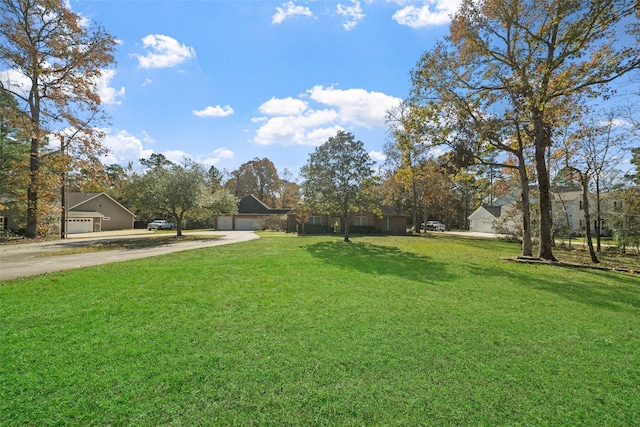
x=92 y=212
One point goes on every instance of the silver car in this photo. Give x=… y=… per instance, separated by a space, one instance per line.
x=435 y=226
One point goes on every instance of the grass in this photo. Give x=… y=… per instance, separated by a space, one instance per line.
x=312 y=331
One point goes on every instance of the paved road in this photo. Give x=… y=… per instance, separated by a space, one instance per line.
x=25 y=259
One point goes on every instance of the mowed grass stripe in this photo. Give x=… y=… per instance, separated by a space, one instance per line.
x=312 y=331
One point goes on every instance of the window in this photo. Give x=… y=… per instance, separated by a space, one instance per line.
x=3 y=223
x=314 y=219
x=361 y=220
x=387 y=223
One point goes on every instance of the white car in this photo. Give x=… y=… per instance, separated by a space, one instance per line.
x=435 y=226
x=160 y=224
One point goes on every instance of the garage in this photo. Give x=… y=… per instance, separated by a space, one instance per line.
x=79 y=225
x=248 y=223
x=224 y=223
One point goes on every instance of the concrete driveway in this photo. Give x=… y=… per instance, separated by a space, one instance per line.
x=25 y=259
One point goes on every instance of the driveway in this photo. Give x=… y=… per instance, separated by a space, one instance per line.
x=25 y=259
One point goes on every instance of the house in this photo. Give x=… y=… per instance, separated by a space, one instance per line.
x=505 y=216
x=252 y=214
x=484 y=219
x=92 y=212
x=568 y=210
x=392 y=221
x=8 y=213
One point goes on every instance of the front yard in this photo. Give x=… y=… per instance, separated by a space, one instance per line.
x=292 y=330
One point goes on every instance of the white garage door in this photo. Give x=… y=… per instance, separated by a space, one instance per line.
x=248 y=223
x=225 y=223
x=79 y=225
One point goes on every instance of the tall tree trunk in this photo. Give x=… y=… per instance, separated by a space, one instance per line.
x=63 y=193
x=527 y=245
x=178 y=225
x=32 y=190
x=584 y=180
x=542 y=141
x=415 y=205
x=598 y=217
x=345 y=215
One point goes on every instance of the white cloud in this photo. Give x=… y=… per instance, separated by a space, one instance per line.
x=432 y=12
x=215 y=156
x=124 y=148
x=290 y=121
x=108 y=94
x=163 y=52
x=289 y=10
x=357 y=106
x=284 y=106
x=209 y=159
x=352 y=14
x=377 y=156
x=146 y=82
x=216 y=111
x=296 y=130
x=15 y=81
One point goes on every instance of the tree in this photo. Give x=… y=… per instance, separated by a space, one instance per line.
x=337 y=176
x=590 y=153
x=288 y=190
x=529 y=60
x=180 y=191
x=14 y=155
x=258 y=177
x=404 y=152
x=156 y=161
x=59 y=59
x=214 y=178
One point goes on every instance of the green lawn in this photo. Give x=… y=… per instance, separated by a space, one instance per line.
x=290 y=330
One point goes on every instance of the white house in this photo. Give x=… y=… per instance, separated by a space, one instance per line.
x=505 y=216
x=484 y=219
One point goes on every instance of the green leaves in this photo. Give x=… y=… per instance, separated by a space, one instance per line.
x=336 y=176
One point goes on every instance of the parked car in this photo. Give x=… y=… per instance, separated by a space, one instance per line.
x=435 y=226
x=160 y=224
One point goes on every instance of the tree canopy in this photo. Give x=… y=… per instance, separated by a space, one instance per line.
x=337 y=176
x=55 y=58
x=180 y=191
x=511 y=71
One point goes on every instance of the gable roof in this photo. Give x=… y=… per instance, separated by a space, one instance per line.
x=392 y=211
x=484 y=211
x=78 y=199
x=252 y=205
x=494 y=210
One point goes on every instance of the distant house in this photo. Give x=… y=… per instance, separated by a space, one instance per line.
x=92 y=212
x=568 y=210
x=86 y=212
x=484 y=219
x=505 y=216
x=252 y=214
x=392 y=221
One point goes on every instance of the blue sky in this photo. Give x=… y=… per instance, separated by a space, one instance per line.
x=223 y=82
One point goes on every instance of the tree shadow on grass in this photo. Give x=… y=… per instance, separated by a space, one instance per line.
x=79 y=246
x=608 y=290
x=380 y=260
